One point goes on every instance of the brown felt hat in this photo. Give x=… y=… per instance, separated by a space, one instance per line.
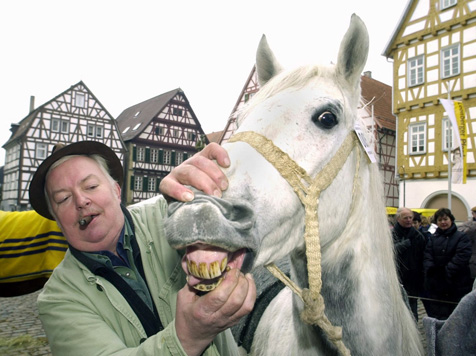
x=84 y=148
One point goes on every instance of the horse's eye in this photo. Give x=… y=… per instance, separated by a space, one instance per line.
x=326 y=119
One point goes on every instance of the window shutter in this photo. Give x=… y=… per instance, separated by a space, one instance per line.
x=161 y=157
x=185 y=156
x=145 y=184
x=132 y=183
x=172 y=159
x=134 y=153
x=147 y=155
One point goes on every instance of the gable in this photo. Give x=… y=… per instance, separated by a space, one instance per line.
x=424 y=17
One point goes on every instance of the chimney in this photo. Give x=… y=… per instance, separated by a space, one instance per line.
x=32 y=103
x=368 y=74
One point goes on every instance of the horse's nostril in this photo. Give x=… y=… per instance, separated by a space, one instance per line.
x=242 y=214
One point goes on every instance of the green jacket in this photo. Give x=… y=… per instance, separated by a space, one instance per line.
x=84 y=314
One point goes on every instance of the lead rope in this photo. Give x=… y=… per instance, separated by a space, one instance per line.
x=308 y=191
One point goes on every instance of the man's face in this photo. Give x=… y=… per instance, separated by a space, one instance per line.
x=406 y=218
x=78 y=188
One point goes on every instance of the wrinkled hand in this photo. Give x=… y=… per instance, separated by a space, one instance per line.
x=199 y=171
x=199 y=319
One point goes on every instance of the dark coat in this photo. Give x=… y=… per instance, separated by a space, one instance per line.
x=409 y=248
x=446 y=264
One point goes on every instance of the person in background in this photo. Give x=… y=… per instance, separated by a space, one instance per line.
x=120 y=288
x=469 y=228
x=409 y=247
x=446 y=266
x=417 y=224
x=473 y=212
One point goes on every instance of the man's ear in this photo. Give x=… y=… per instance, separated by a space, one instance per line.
x=117 y=189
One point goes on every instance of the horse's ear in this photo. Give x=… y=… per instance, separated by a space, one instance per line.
x=266 y=64
x=353 y=51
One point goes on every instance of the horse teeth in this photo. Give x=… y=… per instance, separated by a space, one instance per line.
x=208 y=287
x=203 y=271
x=215 y=270
x=224 y=263
x=192 y=268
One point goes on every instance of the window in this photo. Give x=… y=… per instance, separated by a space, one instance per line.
x=159 y=130
x=140 y=154
x=450 y=61
x=177 y=111
x=138 y=183
x=55 y=125
x=79 y=100
x=447 y=136
x=417 y=138
x=95 y=131
x=191 y=136
x=41 y=150
x=90 y=132
x=99 y=131
x=166 y=157
x=136 y=126
x=137 y=114
x=176 y=132
x=178 y=158
x=64 y=126
x=151 y=184
x=58 y=125
x=447 y=3
x=154 y=155
x=416 y=70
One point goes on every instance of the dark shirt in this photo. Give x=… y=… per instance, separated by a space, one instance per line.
x=124 y=264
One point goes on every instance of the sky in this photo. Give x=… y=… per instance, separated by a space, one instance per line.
x=130 y=51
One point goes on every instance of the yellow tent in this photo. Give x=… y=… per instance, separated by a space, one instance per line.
x=391 y=210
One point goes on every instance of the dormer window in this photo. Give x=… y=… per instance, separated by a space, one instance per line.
x=79 y=100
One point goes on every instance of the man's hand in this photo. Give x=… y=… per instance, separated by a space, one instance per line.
x=199 y=319
x=199 y=171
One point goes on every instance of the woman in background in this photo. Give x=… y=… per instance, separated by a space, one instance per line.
x=446 y=266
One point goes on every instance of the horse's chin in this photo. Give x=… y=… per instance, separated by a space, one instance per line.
x=206 y=265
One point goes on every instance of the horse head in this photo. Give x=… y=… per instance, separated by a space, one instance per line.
x=307 y=113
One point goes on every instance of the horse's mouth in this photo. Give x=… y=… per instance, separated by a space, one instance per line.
x=207 y=265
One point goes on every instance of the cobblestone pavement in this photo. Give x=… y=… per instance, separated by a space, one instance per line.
x=21 y=332
x=19 y=322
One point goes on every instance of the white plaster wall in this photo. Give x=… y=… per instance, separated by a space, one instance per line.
x=416 y=192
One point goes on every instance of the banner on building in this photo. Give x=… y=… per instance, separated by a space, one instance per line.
x=456 y=115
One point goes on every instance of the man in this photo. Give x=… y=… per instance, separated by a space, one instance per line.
x=120 y=287
x=409 y=249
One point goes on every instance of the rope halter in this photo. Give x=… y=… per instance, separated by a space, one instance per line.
x=308 y=190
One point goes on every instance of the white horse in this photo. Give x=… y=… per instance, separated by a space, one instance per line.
x=319 y=183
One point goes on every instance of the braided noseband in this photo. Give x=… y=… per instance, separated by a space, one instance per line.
x=308 y=190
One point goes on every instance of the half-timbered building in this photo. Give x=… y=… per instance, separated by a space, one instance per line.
x=377 y=113
x=160 y=133
x=434 y=57
x=72 y=116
